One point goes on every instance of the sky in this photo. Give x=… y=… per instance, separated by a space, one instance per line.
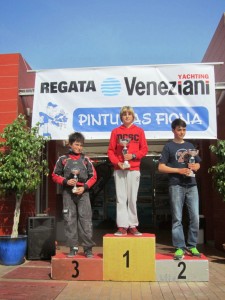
x=53 y=34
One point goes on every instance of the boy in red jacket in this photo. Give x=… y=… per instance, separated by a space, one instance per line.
x=127 y=169
x=76 y=173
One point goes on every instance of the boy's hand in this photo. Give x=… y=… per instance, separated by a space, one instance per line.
x=72 y=182
x=120 y=164
x=127 y=156
x=185 y=171
x=194 y=167
x=79 y=190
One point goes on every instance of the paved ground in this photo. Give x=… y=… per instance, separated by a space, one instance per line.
x=47 y=289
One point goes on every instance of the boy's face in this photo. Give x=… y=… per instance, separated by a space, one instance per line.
x=127 y=118
x=179 y=132
x=76 y=147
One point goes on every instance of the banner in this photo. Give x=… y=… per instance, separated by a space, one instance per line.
x=89 y=100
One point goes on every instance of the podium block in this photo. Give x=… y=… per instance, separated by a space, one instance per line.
x=76 y=268
x=129 y=258
x=188 y=269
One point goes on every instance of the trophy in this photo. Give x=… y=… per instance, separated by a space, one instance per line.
x=124 y=143
x=75 y=172
x=192 y=153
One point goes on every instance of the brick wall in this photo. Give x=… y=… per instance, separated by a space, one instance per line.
x=213 y=204
x=13 y=76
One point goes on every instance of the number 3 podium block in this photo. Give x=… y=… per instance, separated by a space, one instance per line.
x=76 y=268
x=129 y=258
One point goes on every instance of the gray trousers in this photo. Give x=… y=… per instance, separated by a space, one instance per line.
x=127 y=184
x=77 y=214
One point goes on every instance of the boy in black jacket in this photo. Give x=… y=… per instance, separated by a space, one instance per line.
x=76 y=173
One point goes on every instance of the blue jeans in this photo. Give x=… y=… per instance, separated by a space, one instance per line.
x=180 y=195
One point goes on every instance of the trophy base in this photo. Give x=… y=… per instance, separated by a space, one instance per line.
x=192 y=174
x=74 y=190
x=126 y=166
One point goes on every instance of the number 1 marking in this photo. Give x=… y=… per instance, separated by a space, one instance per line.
x=126 y=254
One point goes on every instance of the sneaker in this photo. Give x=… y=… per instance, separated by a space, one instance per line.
x=73 y=251
x=194 y=252
x=121 y=231
x=179 y=254
x=134 y=231
x=88 y=253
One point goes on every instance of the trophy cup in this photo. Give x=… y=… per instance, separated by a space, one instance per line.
x=124 y=143
x=75 y=172
x=192 y=153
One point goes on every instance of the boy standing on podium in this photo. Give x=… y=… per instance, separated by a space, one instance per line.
x=175 y=160
x=76 y=173
x=127 y=146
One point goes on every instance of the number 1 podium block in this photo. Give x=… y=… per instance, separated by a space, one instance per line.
x=129 y=258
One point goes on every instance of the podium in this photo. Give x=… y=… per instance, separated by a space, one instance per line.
x=124 y=257
x=77 y=268
x=129 y=258
x=188 y=269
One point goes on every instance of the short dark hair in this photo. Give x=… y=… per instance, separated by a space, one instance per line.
x=76 y=136
x=178 y=122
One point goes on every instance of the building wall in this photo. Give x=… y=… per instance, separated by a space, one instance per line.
x=9 y=68
x=216 y=50
x=213 y=205
x=13 y=76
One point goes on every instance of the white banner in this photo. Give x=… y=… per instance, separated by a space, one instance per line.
x=89 y=100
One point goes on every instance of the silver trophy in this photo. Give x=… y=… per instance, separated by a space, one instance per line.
x=75 y=172
x=124 y=143
x=192 y=153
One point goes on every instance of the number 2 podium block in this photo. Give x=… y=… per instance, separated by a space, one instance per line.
x=188 y=269
x=129 y=258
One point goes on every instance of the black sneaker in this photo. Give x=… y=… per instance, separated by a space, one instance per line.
x=73 y=251
x=88 y=253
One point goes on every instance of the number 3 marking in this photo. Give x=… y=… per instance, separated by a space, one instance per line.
x=75 y=268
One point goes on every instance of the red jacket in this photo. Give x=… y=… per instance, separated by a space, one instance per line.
x=138 y=145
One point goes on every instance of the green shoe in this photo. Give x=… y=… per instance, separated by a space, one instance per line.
x=179 y=254
x=194 y=252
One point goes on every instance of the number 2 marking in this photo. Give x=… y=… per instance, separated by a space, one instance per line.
x=126 y=254
x=183 y=265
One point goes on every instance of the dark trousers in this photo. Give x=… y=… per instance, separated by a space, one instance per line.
x=77 y=220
